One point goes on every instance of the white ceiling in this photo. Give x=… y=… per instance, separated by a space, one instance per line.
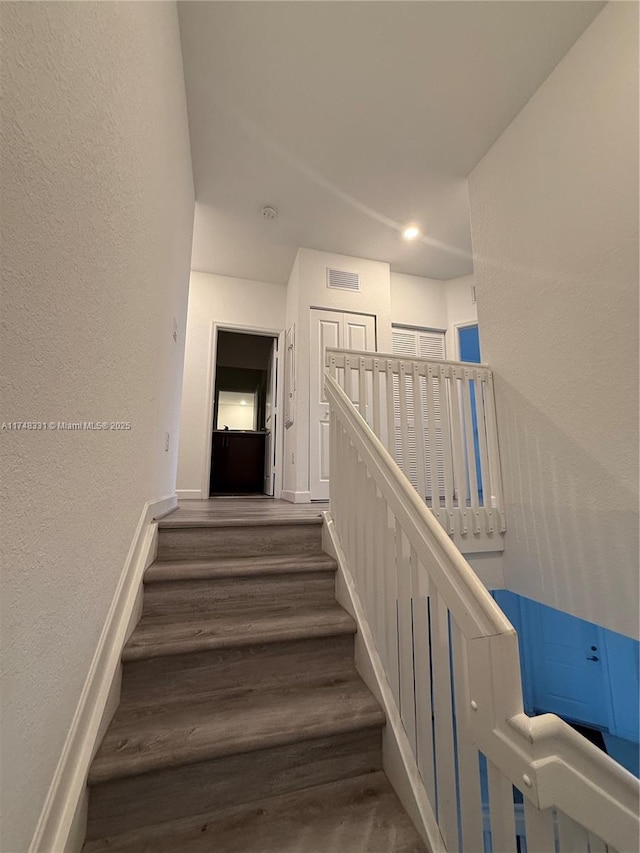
x=353 y=119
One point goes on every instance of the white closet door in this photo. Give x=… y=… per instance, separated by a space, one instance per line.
x=329 y=329
x=419 y=343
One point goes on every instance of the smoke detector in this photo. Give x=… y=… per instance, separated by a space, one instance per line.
x=270 y=212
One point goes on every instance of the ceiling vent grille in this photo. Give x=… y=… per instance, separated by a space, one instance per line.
x=343 y=280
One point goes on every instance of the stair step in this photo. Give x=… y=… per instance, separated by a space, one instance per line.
x=230 y=538
x=223 y=673
x=169 y=635
x=216 y=597
x=358 y=815
x=137 y=742
x=123 y=805
x=172 y=570
x=256 y=520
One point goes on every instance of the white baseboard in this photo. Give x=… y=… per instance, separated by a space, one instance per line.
x=189 y=495
x=397 y=758
x=296 y=497
x=61 y=827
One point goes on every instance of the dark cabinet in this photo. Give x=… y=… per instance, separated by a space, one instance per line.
x=237 y=462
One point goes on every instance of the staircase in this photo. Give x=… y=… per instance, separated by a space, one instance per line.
x=243 y=725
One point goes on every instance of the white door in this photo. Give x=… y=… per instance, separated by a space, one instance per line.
x=333 y=330
x=271 y=421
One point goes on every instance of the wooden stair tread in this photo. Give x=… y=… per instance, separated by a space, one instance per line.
x=137 y=742
x=169 y=570
x=156 y=636
x=356 y=815
x=313 y=517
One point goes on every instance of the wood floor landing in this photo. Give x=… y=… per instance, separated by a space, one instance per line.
x=221 y=509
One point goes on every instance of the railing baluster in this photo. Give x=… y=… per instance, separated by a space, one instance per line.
x=422 y=665
x=363 y=540
x=372 y=553
x=432 y=443
x=351 y=457
x=469 y=775
x=443 y=721
x=572 y=837
x=362 y=390
x=333 y=468
x=539 y=825
x=391 y=415
x=380 y=612
x=405 y=637
x=447 y=452
x=375 y=395
x=419 y=427
x=404 y=421
x=471 y=451
x=596 y=845
x=458 y=452
x=391 y=605
x=494 y=453
x=503 y=823
x=485 y=468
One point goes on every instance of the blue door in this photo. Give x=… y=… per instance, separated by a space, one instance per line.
x=570 y=670
x=469 y=343
x=564 y=662
x=469 y=347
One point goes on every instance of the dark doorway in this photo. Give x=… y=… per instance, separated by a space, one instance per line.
x=243 y=418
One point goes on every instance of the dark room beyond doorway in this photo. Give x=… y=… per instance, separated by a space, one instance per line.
x=244 y=415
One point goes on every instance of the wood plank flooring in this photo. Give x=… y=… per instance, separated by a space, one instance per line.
x=243 y=725
x=218 y=509
x=356 y=815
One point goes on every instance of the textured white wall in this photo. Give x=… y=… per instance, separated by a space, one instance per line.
x=554 y=208
x=228 y=301
x=97 y=208
x=417 y=301
x=309 y=278
x=461 y=311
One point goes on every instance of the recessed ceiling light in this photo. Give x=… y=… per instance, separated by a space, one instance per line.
x=411 y=232
x=243 y=402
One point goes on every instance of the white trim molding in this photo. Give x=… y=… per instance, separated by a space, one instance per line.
x=295 y=497
x=190 y=495
x=397 y=758
x=61 y=826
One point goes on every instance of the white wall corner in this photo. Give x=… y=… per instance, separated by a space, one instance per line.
x=62 y=823
x=397 y=758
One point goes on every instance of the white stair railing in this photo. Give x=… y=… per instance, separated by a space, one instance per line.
x=451 y=658
x=437 y=419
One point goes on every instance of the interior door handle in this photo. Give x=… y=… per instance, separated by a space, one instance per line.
x=593 y=657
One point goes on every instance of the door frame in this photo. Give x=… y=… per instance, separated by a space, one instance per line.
x=211 y=386
x=455 y=356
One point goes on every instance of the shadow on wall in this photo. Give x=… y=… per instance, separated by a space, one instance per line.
x=572 y=526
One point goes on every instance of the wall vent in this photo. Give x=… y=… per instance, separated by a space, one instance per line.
x=473 y=294
x=343 y=280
